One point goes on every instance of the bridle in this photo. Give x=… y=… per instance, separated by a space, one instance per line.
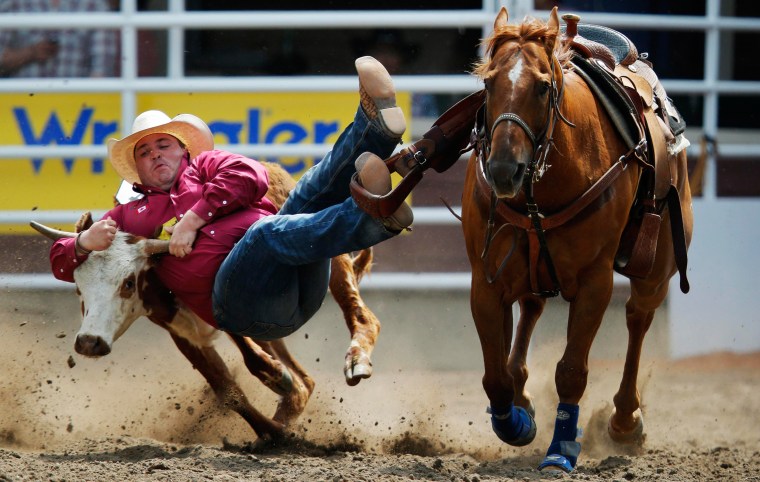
x=537 y=167
x=542 y=142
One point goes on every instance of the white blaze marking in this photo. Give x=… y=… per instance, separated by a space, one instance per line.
x=515 y=74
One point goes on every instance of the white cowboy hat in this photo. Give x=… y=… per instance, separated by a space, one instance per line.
x=187 y=128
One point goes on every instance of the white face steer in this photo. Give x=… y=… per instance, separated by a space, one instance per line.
x=110 y=285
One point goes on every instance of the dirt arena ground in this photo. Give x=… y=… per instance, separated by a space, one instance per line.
x=144 y=414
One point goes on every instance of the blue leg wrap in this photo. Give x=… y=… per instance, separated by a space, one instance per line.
x=564 y=450
x=513 y=425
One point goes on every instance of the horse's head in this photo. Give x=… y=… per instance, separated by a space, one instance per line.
x=521 y=75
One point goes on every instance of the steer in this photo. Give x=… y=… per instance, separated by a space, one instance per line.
x=118 y=285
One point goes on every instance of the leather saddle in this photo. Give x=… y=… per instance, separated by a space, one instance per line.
x=626 y=85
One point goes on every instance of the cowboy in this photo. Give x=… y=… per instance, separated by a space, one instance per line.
x=237 y=263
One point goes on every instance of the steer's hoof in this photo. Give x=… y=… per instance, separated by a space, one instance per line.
x=634 y=436
x=284 y=384
x=358 y=365
x=292 y=405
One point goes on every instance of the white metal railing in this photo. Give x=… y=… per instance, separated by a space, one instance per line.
x=175 y=21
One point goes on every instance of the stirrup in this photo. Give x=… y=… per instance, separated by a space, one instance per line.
x=439 y=148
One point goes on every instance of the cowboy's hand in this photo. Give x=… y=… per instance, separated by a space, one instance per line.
x=184 y=234
x=99 y=236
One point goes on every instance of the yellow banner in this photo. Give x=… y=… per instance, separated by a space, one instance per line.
x=92 y=119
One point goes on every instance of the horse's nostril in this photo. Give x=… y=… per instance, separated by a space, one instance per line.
x=519 y=173
x=501 y=171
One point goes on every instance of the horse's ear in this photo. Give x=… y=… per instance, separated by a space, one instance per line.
x=501 y=19
x=553 y=25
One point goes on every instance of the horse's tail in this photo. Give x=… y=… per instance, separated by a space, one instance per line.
x=697 y=175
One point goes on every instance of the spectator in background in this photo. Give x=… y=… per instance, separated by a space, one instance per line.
x=391 y=49
x=75 y=52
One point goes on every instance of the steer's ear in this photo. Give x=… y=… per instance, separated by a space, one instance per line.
x=84 y=223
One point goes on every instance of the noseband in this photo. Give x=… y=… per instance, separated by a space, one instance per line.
x=541 y=143
x=510 y=116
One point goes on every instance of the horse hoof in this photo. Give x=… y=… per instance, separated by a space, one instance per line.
x=531 y=409
x=556 y=463
x=635 y=436
x=525 y=437
x=358 y=366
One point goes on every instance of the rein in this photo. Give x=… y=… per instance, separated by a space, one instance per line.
x=534 y=222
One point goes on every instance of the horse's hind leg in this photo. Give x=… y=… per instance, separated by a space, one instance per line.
x=361 y=322
x=531 y=308
x=208 y=362
x=626 y=422
x=493 y=320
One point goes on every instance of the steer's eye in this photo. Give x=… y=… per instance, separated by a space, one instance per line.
x=128 y=287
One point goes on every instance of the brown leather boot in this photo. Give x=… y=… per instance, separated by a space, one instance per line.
x=375 y=177
x=378 y=96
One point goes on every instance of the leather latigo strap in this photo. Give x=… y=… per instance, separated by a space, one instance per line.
x=439 y=148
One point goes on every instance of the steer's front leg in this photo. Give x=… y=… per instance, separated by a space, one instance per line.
x=207 y=361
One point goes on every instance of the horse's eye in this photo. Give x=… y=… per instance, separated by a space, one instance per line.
x=488 y=82
x=543 y=87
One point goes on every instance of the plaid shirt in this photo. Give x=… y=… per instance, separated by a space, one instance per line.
x=81 y=52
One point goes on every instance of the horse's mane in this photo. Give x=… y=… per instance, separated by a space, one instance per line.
x=530 y=30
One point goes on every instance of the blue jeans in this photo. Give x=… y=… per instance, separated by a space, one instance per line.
x=276 y=277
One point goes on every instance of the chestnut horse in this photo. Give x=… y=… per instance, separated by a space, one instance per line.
x=539 y=113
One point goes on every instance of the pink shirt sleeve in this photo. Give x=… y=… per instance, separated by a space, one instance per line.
x=229 y=182
x=63 y=257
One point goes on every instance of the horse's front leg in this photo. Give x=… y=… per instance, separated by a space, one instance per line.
x=531 y=308
x=571 y=375
x=363 y=325
x=493 y=320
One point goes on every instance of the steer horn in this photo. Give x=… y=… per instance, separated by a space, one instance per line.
x=51 y=233
x=155 y=246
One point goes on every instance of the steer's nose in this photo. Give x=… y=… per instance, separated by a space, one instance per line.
x=91 y=345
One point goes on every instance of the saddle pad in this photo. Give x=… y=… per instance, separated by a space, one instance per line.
x=615 y=101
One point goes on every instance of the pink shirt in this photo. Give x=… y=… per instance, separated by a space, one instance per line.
x=225 y=189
